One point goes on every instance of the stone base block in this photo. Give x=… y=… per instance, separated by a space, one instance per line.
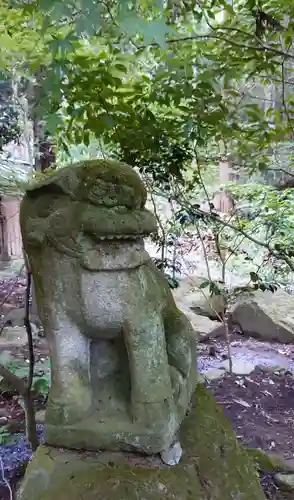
x=213 y=467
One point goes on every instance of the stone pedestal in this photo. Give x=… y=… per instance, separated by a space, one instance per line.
x=213 y=467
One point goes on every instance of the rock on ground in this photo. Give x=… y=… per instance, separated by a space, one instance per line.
x=15 y=317
x=285 y=481
x=204 y=327
x=16 y=336
x=214 y=466
x=214 y=374
x=199 y=300
x=269 y=316
x=239 y=366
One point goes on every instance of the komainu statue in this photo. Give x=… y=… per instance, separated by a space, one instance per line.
x=122 y=355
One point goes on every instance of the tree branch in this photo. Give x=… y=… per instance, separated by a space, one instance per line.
x=29 y=331
x=241 y=231
x=281 y=170
x=5 y=481
x=261 y=48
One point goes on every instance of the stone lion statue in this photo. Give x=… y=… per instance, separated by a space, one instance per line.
x=123 y=357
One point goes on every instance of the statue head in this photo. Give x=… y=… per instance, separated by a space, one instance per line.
x=83 y=209
x=100 y=182
x=101 y=198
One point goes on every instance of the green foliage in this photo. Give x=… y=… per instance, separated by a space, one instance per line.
x=177 y=76
x=173 y=283
x=5 y=435
x=162 y=86
x=268 y=213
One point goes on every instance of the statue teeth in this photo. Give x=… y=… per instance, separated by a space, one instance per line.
x=132 y=237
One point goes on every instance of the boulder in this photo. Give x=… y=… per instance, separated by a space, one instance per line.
x=214 y=466
x=4 y=413
x=266 y=315
x=15 y=317
x=271 y=462
x=202 y=303
x=199 y=301
x=3 y=421
x=214 y=374
x=239 y=366
x=285 y=482
x=40 y=416
x=16 y=336
x=204 y=327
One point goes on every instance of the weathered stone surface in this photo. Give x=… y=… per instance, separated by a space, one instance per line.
x=123 y=356
x=204 y=327
x=270 y=368
x=199 y=301
x=285 y=481
x=267 y=315
x=15 y=317
x=4 y=413
x=213 y=467
x=16 y=335
x=270 y=462
x=3 y=421
x=40 y=417
x=239 y=366
x=214 y=374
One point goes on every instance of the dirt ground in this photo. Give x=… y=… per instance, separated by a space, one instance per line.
x=261 y=409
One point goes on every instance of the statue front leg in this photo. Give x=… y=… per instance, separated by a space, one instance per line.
x=180 y=341
x=70 y=395
x=181 y=351
x=151 y=402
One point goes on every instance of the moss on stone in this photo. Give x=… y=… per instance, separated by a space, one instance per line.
x=95 y=198
x=261 y=460
x=214 y=467
x=110 y=182
x=269 y=462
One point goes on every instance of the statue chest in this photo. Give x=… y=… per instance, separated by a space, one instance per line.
x=108 y=299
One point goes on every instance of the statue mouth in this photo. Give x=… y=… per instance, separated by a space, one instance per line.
x=113 y=252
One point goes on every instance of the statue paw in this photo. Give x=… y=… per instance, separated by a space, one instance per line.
x=150 y=414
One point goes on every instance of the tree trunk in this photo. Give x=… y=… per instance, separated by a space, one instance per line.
x=44 y=155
